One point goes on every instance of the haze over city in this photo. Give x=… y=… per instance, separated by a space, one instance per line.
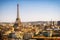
x=30 y=10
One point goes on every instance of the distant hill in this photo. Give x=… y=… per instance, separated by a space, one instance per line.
x=33 y=22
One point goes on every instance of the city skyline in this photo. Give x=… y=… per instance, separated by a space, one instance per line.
x=30 y=10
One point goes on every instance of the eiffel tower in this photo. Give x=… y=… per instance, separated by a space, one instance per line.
x=18 y=20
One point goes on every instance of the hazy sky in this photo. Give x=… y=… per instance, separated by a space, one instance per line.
x=30 y=10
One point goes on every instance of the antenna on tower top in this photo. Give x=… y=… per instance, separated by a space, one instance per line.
x=17 y=10
x=18 y=1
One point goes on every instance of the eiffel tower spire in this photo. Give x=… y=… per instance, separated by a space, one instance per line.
x=18 y=20
x=17 y=10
